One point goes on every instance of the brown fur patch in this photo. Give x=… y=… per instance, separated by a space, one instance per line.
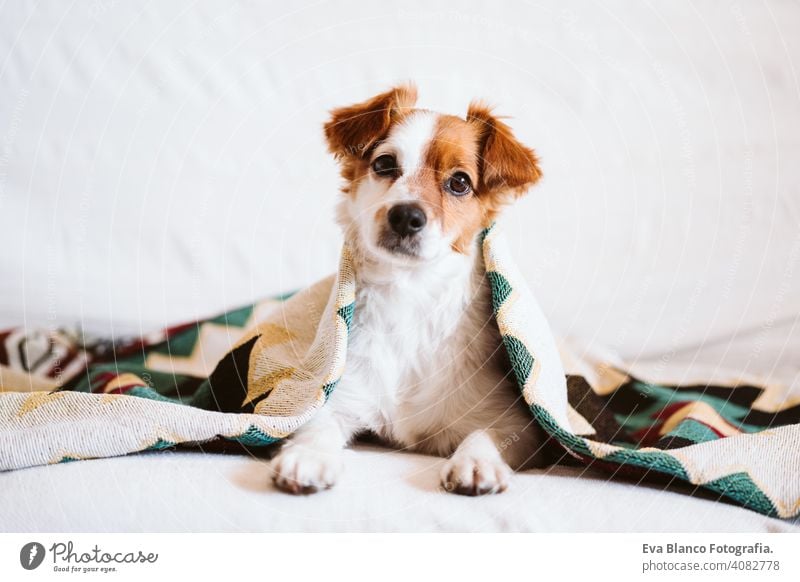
x=353 y=131
x=505 y=164
x=486 y=150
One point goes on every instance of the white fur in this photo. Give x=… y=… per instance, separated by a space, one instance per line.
x=425 y=368
x=410 y=140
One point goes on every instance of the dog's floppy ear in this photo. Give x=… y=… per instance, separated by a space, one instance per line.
x=505 y=164
x=351 y=131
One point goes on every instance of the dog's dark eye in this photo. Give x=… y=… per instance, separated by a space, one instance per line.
x=385 y=165
x=458 y=184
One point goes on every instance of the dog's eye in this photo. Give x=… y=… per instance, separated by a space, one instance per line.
x=385 y=165
x=458 y=184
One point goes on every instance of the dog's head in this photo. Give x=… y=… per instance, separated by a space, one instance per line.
x=421 y=184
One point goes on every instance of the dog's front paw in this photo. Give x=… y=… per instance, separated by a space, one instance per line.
x=302 y=471
x=467 y=475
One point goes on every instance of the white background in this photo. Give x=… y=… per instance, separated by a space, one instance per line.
x=163 y=160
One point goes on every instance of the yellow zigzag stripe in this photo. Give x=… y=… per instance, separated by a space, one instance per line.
x=36 y=400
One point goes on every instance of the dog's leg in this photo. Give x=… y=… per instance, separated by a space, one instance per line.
x=312 y=459
x=477 y=467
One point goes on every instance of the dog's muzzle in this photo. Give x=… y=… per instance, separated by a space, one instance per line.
x=401 y=234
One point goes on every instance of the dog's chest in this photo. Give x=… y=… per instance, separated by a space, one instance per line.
x=422 y=358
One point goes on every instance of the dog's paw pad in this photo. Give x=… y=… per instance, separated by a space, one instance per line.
x=303 y=471
x=473 y=476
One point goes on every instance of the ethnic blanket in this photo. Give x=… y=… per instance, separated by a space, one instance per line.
x=254 y=375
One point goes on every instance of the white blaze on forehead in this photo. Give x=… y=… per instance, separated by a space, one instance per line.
x=411 y=139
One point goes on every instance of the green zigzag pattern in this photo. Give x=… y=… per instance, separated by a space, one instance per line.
x=328 y=388
x=501 y=289
x=160 y=445
x=346 y=313
x=521 y=359
x=254 y=437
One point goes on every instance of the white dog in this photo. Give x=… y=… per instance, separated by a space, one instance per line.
x=426 y=369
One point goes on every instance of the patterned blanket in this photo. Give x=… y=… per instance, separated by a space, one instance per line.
x=254 y=375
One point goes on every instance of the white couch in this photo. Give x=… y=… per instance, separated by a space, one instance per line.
x=164 y=161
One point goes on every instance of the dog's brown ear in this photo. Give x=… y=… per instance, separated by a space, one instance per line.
x=505 y=164
x=351 y=131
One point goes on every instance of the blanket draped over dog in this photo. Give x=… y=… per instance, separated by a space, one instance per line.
x=255 y=375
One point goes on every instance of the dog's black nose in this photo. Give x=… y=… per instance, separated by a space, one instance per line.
x=407 y=219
